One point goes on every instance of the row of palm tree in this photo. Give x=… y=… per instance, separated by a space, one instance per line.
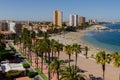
x=46 y=47
x=51 y=47
x=103 y=58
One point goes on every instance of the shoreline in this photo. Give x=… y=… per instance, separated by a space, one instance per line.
x=94 y=68
x=77 y=37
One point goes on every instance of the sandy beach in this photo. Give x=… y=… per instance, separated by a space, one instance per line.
x=76 y=37
x=88 y=65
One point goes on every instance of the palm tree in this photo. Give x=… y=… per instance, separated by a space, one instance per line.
x=103 y=58
x=24 y=37
x=41 y=50
x=70 y=73
x=30 y=24
x=116 y=61
x=36 y=50
x=46 y=35
x=33 y=35
x=76 y=50
x=48 y=49
x=69 y=51
x=53 y=48
x=59 y=47
x=86 y=51
x=55 y=67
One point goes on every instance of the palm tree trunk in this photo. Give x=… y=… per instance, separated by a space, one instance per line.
x=76 y=60
x=55 y=53
x=31 y=56
x=119 y=75
x=37 y=60
x=57 y=75
x=69 y=59
x=48 y=65
x=58 y=55
x=42 y=63
x=86 y=54
x=20 y=43
x=103 y=67
x=52 y=55
x=25 y=52
x=58 y=71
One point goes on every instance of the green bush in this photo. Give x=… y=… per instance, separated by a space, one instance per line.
x=32 y=74
x=26 y=65
x=13 y=74
x=4 y=55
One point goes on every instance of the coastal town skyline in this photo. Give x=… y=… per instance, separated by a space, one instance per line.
x=40 y=10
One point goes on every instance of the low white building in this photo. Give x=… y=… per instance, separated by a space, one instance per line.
x=12 y=66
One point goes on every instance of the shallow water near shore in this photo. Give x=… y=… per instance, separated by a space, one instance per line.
x=105 y=40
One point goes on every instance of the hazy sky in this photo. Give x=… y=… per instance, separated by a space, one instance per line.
x=42 y=10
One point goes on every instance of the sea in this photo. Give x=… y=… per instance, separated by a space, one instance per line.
x=106 y=40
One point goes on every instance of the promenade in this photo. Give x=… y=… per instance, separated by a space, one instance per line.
x=89 y=66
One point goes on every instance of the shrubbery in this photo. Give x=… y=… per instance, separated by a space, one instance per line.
x=32 y=74
x=13 y=74
x=26 y=65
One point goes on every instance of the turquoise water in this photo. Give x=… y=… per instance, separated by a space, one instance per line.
x=106 y=40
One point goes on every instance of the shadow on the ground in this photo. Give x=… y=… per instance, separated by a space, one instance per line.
x=81 y=71
x=94 y=78
x=67 y=60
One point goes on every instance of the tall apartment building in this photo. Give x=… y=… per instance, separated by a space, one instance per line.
x=12 y=27
x=18 y=29
x=4 y=26
x=73 y=20
x=58 y=17
x=81 y=20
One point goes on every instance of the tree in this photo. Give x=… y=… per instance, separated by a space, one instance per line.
x=26 y=66
x=86 y=51
x=32 y=74
x=53 y=48
x=2 y=45
x=59 y=47
x=33 y=35
x=103 y=58
x=69 y=51
x=46 y=35
x=4 y=55
x=116 y=61
x=76 y=50
x=41 y=49
x=30 y=24
x=36 y=51
x=70 y=73
x=55 y=67
x=48 y=50
x=24 y=38
x=11 y=75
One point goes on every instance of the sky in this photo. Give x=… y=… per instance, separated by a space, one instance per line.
x=42 y=10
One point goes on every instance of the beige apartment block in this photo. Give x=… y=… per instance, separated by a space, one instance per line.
x=58 y=18
x=81 y=20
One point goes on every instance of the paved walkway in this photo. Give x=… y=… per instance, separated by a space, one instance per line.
x=87 y=65
x=45 y=65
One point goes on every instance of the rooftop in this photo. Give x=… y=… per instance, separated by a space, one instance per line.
x=12 y=66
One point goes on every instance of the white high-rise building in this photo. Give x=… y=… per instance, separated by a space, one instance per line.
x=12 y=27
x=73 y=20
